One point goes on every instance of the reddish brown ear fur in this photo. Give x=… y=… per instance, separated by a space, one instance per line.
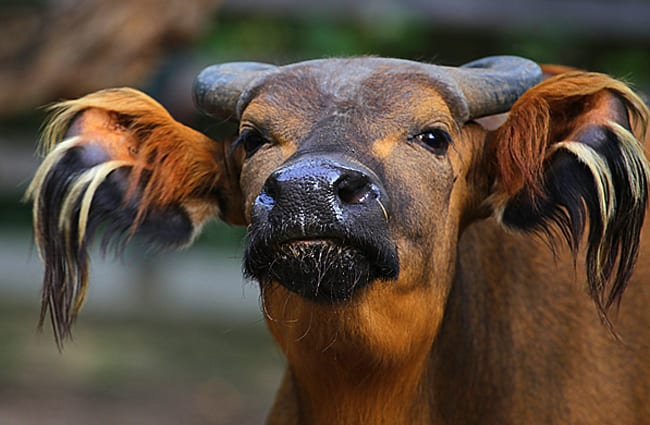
x=570 y=153
x=183 y=163
x=555 y=110
x=127 y=167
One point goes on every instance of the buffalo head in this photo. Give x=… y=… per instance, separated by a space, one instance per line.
x=350 y=162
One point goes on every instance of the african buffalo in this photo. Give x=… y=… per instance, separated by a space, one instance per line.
x=416 y=265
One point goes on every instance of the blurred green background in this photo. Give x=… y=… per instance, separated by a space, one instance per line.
x=178 y=338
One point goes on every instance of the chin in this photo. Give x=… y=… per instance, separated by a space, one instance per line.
x=325 y=270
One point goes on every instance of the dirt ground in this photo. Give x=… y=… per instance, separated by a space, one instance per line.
x=136 y=370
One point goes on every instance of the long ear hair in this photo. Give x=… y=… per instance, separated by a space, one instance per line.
x=117 y=161
x=570 y=157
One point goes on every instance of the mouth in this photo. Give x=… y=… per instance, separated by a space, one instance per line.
x=322 y=269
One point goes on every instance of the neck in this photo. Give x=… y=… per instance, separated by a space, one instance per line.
x=345 y=391
x=359 y=364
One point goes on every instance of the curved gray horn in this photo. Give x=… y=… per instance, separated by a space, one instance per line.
x=218 y=88
x=491 y=85
x=488 y=86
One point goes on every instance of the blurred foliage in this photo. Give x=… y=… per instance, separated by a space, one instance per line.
x=280 y=39
x=14 y=214
x=224 y=236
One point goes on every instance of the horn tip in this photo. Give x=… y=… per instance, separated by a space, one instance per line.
x=503 y=78
x=216 y=89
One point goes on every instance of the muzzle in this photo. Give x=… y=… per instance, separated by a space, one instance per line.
x=320 y=228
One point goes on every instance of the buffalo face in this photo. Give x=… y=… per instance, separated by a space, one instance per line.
x=345 y=169
x=340 y=177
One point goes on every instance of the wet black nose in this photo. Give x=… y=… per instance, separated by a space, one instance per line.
x=320 y=227
x=319 y=193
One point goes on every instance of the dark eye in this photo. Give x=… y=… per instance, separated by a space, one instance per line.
x=252 y=141
x=435 y=140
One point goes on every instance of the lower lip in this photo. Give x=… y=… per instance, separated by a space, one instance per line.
x=320 y=269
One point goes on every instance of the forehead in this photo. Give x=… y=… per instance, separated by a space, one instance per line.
x=353 y=93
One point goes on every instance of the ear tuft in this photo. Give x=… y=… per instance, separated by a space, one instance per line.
x=549 y=111
x=118 y=163
x=568 y=159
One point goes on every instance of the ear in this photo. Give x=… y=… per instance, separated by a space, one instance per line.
x=116 y=160
x=569 y=153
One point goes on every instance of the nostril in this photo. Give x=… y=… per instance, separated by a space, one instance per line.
x=265 y=199
x=355 y=189
x=271 y=190
x=268 y=195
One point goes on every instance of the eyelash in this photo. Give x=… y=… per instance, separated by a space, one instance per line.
x=434 y=140
x=251 y=140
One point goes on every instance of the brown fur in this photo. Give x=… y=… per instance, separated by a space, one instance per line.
x=483 y=325
x=548 y=114
x=182 y=167
x=565 y=108
x=134 y=127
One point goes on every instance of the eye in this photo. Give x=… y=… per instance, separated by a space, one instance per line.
x=252 y=141
x=435 y=140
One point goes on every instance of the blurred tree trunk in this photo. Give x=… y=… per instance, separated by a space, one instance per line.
x=64 y=48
